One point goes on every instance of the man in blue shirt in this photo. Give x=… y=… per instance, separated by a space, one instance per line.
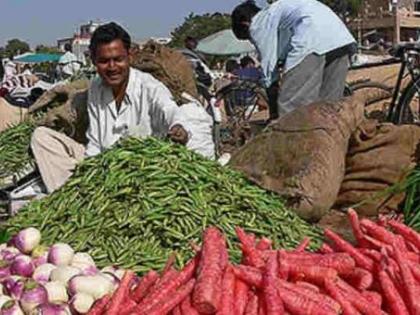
x=307 y=39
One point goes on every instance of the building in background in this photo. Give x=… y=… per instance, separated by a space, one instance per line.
x=392 y=21
x=80 y=40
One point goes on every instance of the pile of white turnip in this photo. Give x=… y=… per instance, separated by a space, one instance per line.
x=51 y=281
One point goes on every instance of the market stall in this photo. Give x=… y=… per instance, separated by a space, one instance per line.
x=150 y=227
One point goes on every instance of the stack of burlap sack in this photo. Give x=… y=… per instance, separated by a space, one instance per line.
x=328 y=155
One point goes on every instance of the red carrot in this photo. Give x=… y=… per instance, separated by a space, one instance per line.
x=252 y=306
x=393 y=298
x=168 y=288
x=408 y=233
x=228 y=290
x=120 y=294
x=262 y=309
x=360 y=278
x=186 y=307
x=127 y=306
x=322 y=300
x=313 y=274
x=343 y=263
x=273 y=303
x=361 y=260
x=355 y=225
x=173 y=300
x=371 y=253
x=373 y=297
x=177 y=310
x=308 y=285
x=357 y=299
x=326 y=249
x=144 y=285
x=241 y=297
x=410 y=284
x=303 y=245
x=206 y=294
x=250 y=253
x=264 y=244
x=250 y=275
x=171 y=274
x=300 y=305
x=100 y=305
x=378 y=232
x=411 y=247
x=333 y=291
x=415 y=269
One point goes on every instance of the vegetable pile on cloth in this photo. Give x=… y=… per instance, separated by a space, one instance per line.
x=35 y=279
x=381 y=275
x=142 y=199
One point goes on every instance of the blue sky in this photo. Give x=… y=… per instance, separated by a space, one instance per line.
x=44 y=21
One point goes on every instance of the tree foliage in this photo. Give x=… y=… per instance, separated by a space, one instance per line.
x=41 y=49
x=345 y=8
x=199 y=26
x=15 y=47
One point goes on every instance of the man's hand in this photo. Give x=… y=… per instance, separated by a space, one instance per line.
x=178 y=134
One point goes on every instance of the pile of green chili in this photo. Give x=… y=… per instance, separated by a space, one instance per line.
x=141 y=200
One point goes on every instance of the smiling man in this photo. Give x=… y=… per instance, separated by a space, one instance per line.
x=122 y=102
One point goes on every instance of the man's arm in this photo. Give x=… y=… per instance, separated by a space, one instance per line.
x=93 y=148
x=165 y=114
x=266 y=42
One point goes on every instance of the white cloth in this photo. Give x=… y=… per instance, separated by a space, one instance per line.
x=148 y=109
x=9 y=70
x=201 y=129
x=69 y=63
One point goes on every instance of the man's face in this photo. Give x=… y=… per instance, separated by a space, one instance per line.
x=112 y=63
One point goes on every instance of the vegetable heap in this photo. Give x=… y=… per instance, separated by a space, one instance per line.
x=379 y=276
x=14 y=150
x=138 y=202
x=56 y=280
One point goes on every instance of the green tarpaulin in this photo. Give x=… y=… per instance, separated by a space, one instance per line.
x=224 y=43
x=38 y=58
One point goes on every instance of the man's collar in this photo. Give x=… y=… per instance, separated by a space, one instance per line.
x=130 y=86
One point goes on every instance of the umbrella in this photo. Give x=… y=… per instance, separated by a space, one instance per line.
x=224 y=43
x=38 y=58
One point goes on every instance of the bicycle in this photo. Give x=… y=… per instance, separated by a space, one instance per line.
x=401 y=110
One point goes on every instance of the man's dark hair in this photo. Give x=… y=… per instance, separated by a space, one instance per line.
x=67 y=47
x=107 y=33
x=231 y=65
x=246 y=61
x=190 y=42
x=243 y=13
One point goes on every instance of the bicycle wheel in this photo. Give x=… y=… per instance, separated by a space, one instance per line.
x=376 y=91
x=408 y=109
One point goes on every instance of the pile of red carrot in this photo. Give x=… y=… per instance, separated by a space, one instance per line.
x=380 y=275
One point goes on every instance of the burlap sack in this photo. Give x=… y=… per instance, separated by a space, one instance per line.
x=10 y=115
x=379 y=156
x=301 y=156
x=168 y=66
x=66 y=110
